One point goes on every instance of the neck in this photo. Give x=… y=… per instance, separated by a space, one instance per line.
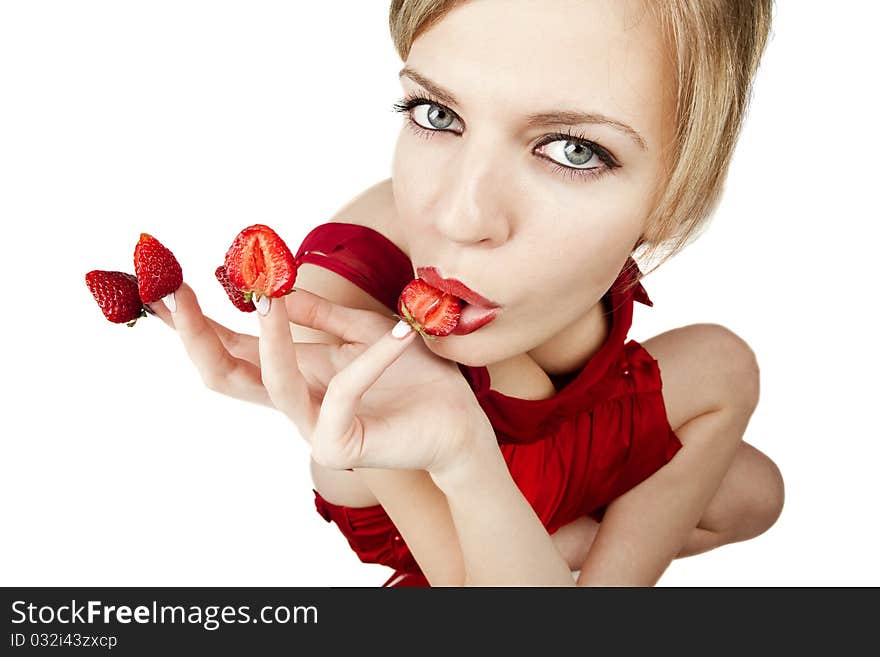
x=569 y=350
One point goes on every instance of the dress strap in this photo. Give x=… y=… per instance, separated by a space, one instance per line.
x=360 y=254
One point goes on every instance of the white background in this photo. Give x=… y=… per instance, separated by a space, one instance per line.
x=190 y=120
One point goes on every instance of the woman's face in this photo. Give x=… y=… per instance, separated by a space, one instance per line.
x=537 y=213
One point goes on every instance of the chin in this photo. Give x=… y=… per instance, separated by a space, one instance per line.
x=462 y=349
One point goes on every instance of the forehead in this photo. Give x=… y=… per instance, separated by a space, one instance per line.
x=510 y=58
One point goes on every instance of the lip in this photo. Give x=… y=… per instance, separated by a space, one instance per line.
x=455 y=287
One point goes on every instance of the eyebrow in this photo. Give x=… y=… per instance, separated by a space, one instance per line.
x=563 y=117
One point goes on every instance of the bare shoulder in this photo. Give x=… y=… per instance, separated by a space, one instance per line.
x=376 y=209
x=373 y=208
x=703 y=367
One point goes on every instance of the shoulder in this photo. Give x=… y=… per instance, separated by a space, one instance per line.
x=374 y=208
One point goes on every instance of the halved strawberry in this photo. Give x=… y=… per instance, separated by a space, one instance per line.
x=157 y=270
x=428 y=310
x=259 y=263
x=117 y=294
x=235 y=295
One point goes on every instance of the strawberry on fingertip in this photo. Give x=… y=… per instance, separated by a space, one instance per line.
x=259 y=263
x=157 y=270
x=236 y=296
x=116 y=293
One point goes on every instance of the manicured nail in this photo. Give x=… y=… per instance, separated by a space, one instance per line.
x=262 y=305
x=170 y=302
x=401 y=329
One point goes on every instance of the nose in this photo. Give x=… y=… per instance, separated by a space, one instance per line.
x=476 y=211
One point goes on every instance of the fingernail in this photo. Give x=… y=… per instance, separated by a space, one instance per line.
x=401 y=329
x=262 y=305
x=170 y=302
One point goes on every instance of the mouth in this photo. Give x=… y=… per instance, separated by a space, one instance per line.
x=454 y=287
x=474 y=317
x=476 y=310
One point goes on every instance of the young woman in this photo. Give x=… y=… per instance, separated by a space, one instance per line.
x=546 y=146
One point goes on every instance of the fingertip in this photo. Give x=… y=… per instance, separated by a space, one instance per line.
x=401 y=330
x=170 y=302
x=158 y=310
x=183 y=289
x=263 y=305
x=186 y=298
x=177 y=298
x=181 y=303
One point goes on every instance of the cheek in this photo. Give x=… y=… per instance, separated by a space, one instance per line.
x=411 y=183
x=589 y=230
x=573 y=264
x=425 y=168
x=397 y=164
x=590 y=212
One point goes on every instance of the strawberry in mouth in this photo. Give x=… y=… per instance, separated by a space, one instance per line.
x=429 y=311
x=434 y=313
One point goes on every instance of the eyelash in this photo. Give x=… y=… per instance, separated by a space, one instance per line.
x=411 y=101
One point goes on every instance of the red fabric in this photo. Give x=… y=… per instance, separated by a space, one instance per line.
x=400 y=579
x=601 y=434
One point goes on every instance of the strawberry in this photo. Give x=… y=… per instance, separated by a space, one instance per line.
x=259 y=263
x=235 y=295
x=117 y=294
x=428 y=310
x=157 y=270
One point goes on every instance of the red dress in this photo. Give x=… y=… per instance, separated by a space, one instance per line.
x=601 y=434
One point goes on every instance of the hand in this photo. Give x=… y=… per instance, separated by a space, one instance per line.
x=231 y=363
x=227 y=361
x=392 y=403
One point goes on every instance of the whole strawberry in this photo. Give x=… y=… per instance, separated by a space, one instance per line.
x=117 y=294
x=236 y=296
x=430 y=311
x=157 y=270
x=259 y=263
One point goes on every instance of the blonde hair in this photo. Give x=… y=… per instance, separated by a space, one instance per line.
x=717 y=46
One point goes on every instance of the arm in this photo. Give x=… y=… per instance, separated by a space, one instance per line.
x=421 y=514
x=410 y=498
x=504 y=543
x=645 y=528
x=502 y=540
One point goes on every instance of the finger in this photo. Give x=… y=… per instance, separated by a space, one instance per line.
x=239 y=345
x=220 y=371
x=280 y=372
x=160 y=309
x=337 y=422
x=349 y=324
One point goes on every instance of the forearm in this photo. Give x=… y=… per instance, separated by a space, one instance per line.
x=419 y=511
x=502 y=540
